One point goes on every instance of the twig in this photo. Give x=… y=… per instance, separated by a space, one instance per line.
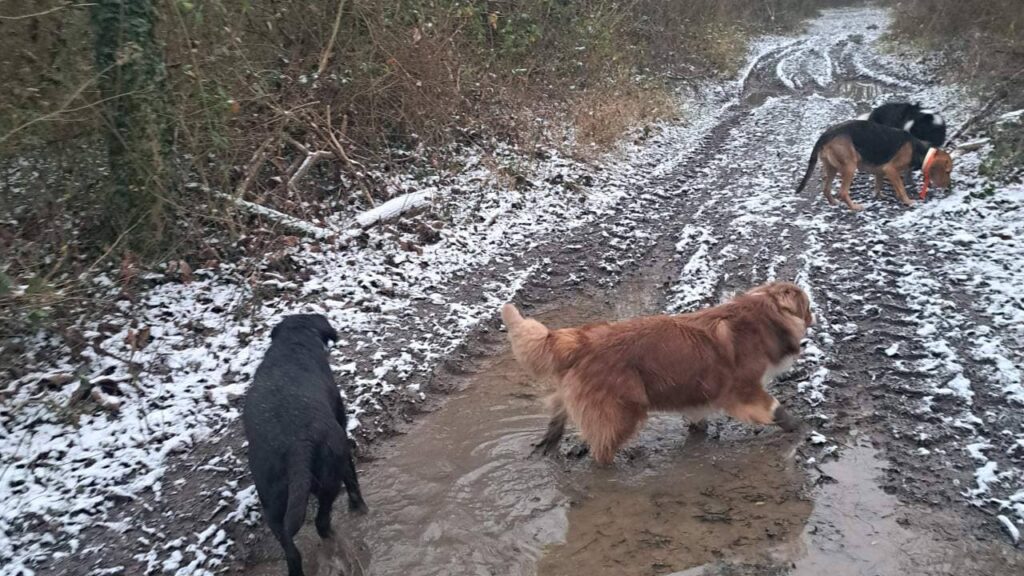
x=44 y=12
x=354 y=167
x=64 y=107
x=326 y=56
x=299 y=145
x=286 y=221
x=985 y=110
x=311 y=159
x=258 y=158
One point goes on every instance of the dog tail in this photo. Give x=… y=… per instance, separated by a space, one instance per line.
x=539 y=350
x=813 y=161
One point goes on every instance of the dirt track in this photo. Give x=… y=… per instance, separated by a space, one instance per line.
x=881 y=488
x=884 y=486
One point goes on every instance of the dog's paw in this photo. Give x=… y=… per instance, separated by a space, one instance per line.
x=787 y=421
x=543 y=448
x=578 y=451
x=358 y=507
x=700 y=428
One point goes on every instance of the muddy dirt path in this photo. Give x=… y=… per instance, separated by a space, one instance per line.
x=880 y=486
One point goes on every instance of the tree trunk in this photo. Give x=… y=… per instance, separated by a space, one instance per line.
x=132 y=78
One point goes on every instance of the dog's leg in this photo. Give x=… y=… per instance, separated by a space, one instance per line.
x=844 y=192
x=609 y=426
x=328 y=488
x=785 y=420
x=556 y=429
x=757 y=406
x=348 y=477
x=878 y=186
x=828 y=173
x=698 y=426
x=896 y=179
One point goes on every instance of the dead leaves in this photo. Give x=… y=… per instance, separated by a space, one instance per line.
x=137 y=339
x=180 y=270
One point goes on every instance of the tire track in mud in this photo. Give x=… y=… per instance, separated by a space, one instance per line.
x=891 y=356
x=720 y=217
x=730 y=217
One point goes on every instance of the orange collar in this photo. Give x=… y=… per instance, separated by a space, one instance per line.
x=925 y=166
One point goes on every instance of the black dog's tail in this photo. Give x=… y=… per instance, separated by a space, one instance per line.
x=813 y=161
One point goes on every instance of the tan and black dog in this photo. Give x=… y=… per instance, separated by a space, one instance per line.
x=883 y=151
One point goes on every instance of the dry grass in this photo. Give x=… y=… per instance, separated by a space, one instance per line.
x=985 y=37
x=985 y=41
x=403 y=79
x=602 y=119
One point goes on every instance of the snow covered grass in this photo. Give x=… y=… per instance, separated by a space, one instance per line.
x=954 y=261
x=402 y=298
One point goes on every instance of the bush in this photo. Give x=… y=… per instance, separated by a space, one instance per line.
x=252 y=88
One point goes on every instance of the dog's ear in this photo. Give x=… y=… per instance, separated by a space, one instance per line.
x=323 y=327
x=791 y=299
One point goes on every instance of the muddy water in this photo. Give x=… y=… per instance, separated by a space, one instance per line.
x=459 y=495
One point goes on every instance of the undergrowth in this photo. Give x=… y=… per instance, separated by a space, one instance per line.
x=248 y=92
x=984 y=40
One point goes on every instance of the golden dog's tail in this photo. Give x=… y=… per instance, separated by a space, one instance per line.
x=541 y=351
x=813 y=161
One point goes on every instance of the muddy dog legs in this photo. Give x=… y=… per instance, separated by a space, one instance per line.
x=556 y=429
x=760 y=407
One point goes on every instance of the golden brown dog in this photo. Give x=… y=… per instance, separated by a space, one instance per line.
x=608 y=376
x=884 y=151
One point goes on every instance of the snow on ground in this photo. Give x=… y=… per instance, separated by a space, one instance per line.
x=403 y=299
x=400 y=300
x=946 y=273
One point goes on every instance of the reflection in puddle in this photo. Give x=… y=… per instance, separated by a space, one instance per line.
x=459 y=495
x=689 y=505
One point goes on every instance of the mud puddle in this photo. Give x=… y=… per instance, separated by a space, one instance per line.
x=460 y=495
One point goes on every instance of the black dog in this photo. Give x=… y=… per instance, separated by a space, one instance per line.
x=923 y=124
x=294 y=421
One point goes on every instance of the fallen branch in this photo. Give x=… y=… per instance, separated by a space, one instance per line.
x=985 y=110
x=354 y=168
x=284 y=220
x=973 y=145
x=258 y=158
x=396 y=207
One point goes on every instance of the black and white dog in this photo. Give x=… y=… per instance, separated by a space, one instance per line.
x=922 y=123
x=294 y=421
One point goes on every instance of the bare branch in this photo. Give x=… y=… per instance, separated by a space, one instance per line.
x=326 y=56
x=44 y=12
